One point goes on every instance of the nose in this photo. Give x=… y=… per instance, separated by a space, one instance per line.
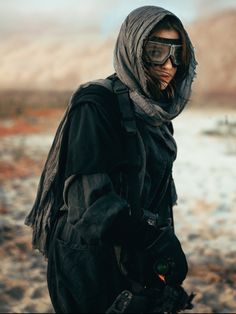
x=168 y=64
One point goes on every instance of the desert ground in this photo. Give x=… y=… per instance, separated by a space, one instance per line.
x=53 y=63
x=205 y=176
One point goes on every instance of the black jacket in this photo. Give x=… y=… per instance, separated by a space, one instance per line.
x=95 y=200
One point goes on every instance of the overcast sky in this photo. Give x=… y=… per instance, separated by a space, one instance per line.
x=102 y=16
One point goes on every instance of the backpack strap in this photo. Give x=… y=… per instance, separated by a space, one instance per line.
x=131 y=146
x=128 y=122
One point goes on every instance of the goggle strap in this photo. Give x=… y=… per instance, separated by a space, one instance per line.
x=168 y=41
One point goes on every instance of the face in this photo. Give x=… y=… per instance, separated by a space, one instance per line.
x=166 y=71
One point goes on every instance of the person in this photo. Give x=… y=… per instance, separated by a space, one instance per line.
x=103 y=214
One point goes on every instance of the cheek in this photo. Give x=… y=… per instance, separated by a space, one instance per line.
x=174 y=70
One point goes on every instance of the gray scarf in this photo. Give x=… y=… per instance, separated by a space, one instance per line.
x=130 y=68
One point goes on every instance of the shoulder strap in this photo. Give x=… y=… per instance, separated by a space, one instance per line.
x=131 y=142
x=131 y=146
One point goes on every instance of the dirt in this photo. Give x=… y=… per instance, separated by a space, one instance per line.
x=204 y=216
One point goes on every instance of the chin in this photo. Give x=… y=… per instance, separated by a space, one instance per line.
x=163 y=86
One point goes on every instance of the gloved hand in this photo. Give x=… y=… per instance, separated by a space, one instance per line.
x=168 y=257
x=168 y=300
x=171 y=300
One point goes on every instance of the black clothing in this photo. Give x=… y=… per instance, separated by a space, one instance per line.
x=102 y=123
x=81 y=278
x=82 y=261
x=82 y=218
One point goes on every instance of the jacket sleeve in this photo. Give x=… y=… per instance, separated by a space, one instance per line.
x=97 y=211
x=93 y=142
x=102 y=216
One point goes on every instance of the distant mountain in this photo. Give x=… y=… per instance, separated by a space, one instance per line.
x=58 y=63
x=62 y=63
x=215 y=45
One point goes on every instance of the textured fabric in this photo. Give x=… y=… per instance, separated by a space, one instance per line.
x=83 y=274
x=57 y=169
x=129 y=65
x=81 y=278
x=101 y=149
x=95 y=200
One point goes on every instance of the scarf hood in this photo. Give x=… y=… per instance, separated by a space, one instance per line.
x=129 y=65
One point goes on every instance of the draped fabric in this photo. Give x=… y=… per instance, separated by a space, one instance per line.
x=129 y=65
x=62 y=161
x=130 y=70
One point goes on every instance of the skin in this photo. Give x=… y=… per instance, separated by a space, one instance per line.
x=166 y=71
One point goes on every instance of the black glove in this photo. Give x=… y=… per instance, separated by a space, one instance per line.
x=171 y=300
x=168 y=300
x=168 y=257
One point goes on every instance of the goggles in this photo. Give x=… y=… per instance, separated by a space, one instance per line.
x=158 y=50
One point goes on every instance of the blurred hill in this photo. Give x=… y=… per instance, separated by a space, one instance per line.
x=58 y=63
x=215 y=44
x=35 y=61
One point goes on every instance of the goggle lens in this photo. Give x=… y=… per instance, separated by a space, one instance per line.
x=157 y=53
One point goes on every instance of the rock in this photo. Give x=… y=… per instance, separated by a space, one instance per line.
x=4 y=307
x=38 y=293
x=30 y=308
x=16 y=293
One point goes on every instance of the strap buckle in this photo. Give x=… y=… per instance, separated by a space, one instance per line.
x=155 y=220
